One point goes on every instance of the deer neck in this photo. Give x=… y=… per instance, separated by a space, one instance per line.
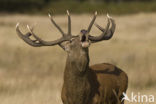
x=77 y=66
x=76 y=80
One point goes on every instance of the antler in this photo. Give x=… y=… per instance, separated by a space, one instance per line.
x=107 y=33
x=92 y=22
x=69 y=23
x=38 y=42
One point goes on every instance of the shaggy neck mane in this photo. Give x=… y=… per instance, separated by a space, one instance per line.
x=76 y=68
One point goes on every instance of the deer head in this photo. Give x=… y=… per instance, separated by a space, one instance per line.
x=75 y=46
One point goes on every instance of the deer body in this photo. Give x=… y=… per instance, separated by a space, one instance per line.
x=94 y=84
x=84 y=84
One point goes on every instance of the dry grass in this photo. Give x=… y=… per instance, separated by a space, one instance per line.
x=34 y=75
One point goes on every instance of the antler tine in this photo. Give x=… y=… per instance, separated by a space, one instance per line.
x=32 y=33
x=92 y=22
x=101 y=28
x=58 y=27
x=112 y=29
x=26 y=37
x=106 y=33
x=69 y=23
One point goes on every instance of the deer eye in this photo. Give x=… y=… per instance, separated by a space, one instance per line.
x=70 y=41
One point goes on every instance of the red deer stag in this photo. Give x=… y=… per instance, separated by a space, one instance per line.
x=83 y=84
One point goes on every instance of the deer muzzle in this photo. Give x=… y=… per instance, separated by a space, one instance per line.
x=84 y=41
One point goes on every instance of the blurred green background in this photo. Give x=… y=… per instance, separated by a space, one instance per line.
x=77 y=6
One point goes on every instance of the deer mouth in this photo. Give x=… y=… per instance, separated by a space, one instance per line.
x=84 y=41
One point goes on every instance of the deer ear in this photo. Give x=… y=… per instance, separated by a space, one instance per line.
x=65 y=46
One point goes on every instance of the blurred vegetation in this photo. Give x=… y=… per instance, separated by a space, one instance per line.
x=77 y=6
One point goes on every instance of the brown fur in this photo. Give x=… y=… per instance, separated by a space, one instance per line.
x=97 y=86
